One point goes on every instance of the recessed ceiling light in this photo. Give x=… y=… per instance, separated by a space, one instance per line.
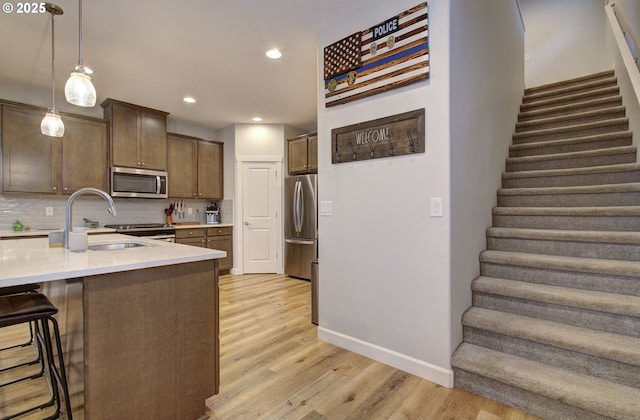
x=274 y=53
x=189 y=100
x=256 y=119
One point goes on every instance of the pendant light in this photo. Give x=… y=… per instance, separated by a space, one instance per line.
x=79 y=90
x=52 y=124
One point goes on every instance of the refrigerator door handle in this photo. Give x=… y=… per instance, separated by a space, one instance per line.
x=298 y=242
x=297 y=207
x=301 y=206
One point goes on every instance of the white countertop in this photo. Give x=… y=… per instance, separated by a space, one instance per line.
x=203 y=225
x=8 y=234
x=31 y=260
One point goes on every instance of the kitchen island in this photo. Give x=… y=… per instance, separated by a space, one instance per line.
x=139 y=325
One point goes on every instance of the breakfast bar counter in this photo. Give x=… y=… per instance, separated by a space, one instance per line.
x=139 y=324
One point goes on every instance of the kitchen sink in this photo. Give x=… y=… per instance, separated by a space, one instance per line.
x=115 y=246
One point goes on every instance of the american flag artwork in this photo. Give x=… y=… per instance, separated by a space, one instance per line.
x=391 y=54
x=342 y=56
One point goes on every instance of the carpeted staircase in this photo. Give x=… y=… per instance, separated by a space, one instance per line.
x=554 y=329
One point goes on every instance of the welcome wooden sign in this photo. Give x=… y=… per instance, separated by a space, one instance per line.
x=386 y=56
x=397 y=135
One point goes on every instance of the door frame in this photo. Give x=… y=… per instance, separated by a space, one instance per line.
x=238 y=237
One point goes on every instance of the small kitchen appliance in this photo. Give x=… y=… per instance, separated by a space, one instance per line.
x=213 y=214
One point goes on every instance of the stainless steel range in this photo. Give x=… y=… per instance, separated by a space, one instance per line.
x=156 y=231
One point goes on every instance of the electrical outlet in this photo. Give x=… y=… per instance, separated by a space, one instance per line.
x=189 y=210
x=48 y=211
x=436 y=207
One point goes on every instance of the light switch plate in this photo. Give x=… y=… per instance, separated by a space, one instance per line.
x=436 y=207
x=326 y=208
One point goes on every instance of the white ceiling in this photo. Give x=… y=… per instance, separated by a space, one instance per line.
x=153 y=53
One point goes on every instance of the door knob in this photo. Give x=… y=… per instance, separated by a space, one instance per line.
x=246 y=223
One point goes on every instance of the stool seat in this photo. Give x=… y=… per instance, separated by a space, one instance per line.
x=22 y=288
x=18 y=309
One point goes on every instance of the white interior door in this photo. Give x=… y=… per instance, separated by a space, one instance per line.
x=260 y=205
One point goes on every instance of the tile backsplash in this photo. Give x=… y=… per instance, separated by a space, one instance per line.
x=31 y=212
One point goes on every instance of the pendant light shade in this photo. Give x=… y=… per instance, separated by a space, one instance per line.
x=52 y=124
x=79 y=90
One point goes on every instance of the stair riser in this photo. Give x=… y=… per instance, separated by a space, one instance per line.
x=603 y=321
x=567 y=248
x=566 y=91
x=579 y=81
x=523 y=127
x=575 y=361
x=569 y=132
x=578 y=280
x=571 y=109
x=546 y=408
x=571 y=162
x=571 y=200
x=570 y=147
x=572 y=180
x=570 y=100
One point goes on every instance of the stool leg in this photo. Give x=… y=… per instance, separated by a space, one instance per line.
x=61 y=374
x=33 y=328
x=43 y=337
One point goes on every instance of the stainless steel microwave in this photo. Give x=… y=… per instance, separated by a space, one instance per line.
x=138 y=183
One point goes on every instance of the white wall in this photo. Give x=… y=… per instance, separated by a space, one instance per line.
x=630 y=10
x=564 y=39
x=393 y=280
x=384 y=263
x=487 y=85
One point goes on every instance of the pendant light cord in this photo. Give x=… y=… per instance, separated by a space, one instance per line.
x=53 y=61
x=80 y=33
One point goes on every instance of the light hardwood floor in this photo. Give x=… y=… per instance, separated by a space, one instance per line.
x=274 y=367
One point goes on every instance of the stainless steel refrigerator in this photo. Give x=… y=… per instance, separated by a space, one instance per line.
x=300 y=225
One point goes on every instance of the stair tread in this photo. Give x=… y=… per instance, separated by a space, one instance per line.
x=578 y=97
x=579 y=79
x=569 y=211
x=609 y=236
x=580 y=189
x=628 y=305
x=588 y=392
x=566 y=155
x=611 y=346
x=530 y=115
x=582 y=114
x=622 y=268
x=569 y=128
x=622 y=167
x=567 y=90
x=573 y=140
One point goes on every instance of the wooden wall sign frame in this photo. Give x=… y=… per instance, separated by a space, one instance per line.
x=397 y=135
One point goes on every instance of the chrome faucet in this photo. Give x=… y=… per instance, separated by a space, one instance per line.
x=83 y=191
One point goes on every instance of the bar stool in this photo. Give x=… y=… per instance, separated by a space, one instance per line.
x=14 y=290
x=36 y=309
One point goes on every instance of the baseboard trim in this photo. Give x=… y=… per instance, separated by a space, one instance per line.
x=420 y=368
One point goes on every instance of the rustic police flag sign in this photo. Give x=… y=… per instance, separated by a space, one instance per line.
x=389 y=55
x=397 y=135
